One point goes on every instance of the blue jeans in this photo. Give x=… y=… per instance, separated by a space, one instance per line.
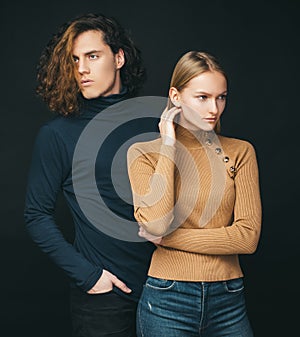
x=193 y=309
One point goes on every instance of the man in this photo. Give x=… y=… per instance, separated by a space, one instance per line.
x=88 y=66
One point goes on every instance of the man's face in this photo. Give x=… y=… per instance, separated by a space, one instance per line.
x=98 y=69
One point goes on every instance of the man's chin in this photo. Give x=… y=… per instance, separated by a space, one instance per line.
x=88 y=95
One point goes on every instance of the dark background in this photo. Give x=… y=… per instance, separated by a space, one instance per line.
x=258 y=44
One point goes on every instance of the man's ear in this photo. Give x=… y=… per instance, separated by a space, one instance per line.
x=120 y=58
x=174 y=96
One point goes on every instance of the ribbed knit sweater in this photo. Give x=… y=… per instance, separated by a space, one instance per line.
x=203 y=195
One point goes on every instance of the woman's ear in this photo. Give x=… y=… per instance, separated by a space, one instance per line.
x=174 y=96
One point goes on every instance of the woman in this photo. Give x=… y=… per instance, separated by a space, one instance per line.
x=200 y=191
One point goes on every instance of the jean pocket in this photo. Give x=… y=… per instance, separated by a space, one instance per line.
x=159 y=284
x=234 y=285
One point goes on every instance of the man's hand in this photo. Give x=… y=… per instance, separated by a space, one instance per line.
x=106 y=283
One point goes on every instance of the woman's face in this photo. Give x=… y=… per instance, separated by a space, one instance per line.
x=203 y=101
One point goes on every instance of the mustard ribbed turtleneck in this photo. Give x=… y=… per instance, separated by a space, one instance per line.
x=203 y=196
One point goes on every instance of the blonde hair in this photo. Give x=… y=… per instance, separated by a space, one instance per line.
x=190 y=65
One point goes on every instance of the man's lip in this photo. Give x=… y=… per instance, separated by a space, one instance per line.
x=86 y=82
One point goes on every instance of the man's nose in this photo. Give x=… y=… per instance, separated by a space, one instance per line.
x=83 y=67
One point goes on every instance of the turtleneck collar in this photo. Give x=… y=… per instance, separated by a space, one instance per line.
x=194 y=139
x=95 y=105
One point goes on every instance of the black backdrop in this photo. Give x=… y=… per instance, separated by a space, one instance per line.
x=258 y=44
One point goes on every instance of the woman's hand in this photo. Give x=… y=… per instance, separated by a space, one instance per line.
x=144 y=234
x=106 y=283
x=167 y=126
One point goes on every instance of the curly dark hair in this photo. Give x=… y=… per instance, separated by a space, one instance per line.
x=56 y=75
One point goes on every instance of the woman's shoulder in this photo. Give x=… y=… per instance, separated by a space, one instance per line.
x=147 y=146
x=237 y=148
x=148 y=150
x=235 y=143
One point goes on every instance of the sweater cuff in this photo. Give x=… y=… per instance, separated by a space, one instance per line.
x=92 y=280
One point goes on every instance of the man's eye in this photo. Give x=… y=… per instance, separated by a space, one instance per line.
x=93 y=57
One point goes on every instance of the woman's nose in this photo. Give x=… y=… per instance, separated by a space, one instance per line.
x=214 y=107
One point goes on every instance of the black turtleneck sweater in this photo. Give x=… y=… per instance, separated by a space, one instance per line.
x=52 y=171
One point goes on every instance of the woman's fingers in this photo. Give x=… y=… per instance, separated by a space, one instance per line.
x=167 y=127
x=169 y=114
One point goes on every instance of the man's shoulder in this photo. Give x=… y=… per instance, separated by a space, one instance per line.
x=59 y=125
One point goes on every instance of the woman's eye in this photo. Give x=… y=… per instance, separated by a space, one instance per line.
x=202 y=97
x=222 y=97
x=75 y=59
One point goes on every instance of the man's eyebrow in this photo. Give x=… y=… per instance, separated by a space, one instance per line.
x=90 y=52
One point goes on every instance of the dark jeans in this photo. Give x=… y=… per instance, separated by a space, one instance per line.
x=102 y=315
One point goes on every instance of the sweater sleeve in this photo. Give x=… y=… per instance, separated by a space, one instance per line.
x=151 y=177
x=242 y=235
x=49 y=167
